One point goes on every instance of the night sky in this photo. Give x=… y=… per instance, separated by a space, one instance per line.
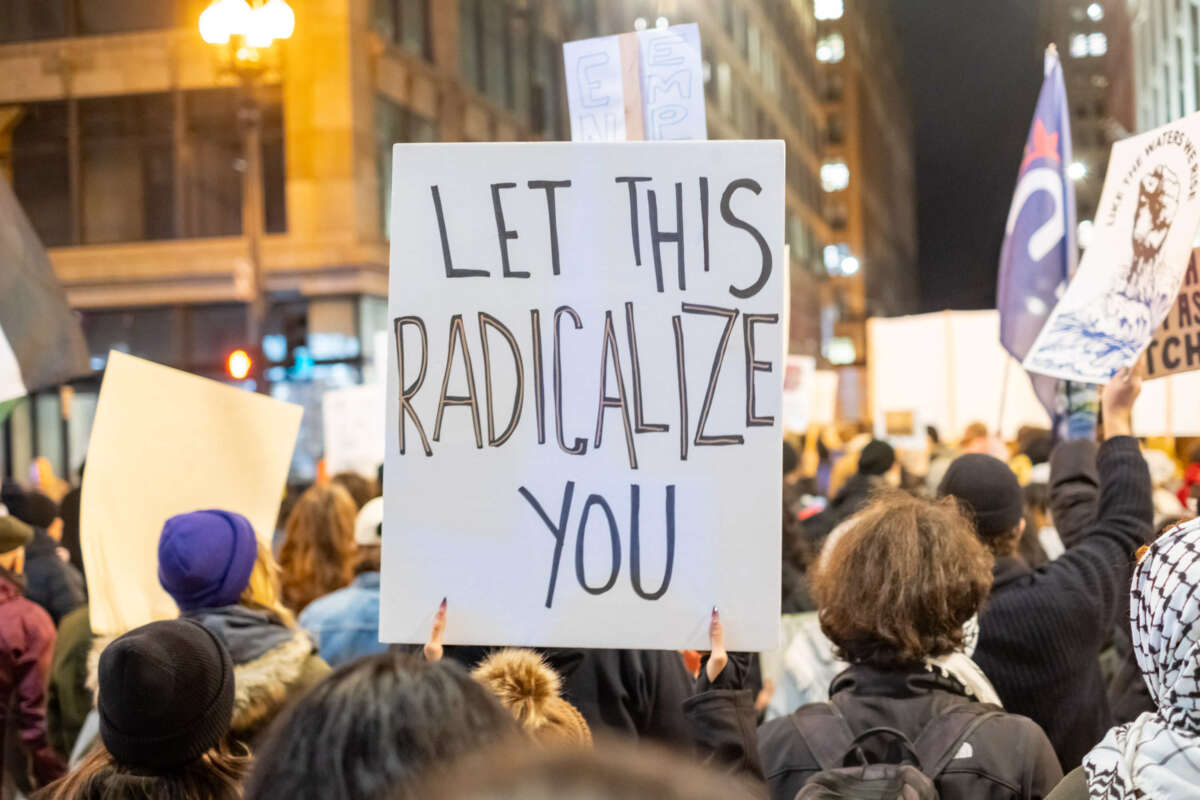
x=974 y=71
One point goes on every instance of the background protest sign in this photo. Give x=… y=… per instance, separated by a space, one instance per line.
x=1176 y=345
x=163 y=443
x=353 y=422
x=959 y=378
x=799 y=392
x=583 y=428
x=643 y=85
x=1132 y=270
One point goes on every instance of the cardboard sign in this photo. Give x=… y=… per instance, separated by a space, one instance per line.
x=1176 y=346
x=165 y=442
x=645 y=85
x=353 y=421
x=583 y=416
x=1131 y=273
x=799 y=392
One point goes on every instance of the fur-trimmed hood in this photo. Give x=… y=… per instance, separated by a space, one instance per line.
x=262 y=685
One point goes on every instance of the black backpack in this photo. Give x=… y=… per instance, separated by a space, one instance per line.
x=906 y=772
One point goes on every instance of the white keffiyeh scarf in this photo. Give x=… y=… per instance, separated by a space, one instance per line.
x=1158 y=755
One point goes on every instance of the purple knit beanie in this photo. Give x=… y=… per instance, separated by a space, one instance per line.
x=205 y=558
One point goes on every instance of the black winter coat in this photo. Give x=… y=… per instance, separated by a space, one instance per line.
x=1041 y=631
x=1007 y=757
x=51 y=582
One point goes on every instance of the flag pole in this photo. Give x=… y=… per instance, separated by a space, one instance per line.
x=1003 y=393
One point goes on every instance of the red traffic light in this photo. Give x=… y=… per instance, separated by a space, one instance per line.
x=238 y=364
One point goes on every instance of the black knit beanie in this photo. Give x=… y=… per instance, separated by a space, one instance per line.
x=166 y=694
x=38 y=510
x=988 y=490
x=876 y=458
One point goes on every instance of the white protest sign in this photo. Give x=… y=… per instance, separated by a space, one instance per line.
x=594 y=95
x=825 y=390
x=799 y=392
x=959 y=378
x=583 y=428
x=672 y=74
x=645 y=85
x=1132 y=270
x=165 y=442
x=353 y=423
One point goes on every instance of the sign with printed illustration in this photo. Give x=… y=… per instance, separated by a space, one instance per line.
x=1132 y=271
x=584 y=400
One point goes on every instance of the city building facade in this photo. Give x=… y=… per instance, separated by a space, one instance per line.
x=122 y=133
x=1093 y=41
x=868 y=174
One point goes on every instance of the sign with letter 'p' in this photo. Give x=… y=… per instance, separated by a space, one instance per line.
x=584 y=396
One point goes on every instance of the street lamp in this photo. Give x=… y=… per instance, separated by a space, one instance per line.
x=244 y=32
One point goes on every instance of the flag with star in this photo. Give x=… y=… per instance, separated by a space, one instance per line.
x=1039 y=252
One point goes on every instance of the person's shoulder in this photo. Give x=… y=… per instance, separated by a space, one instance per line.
x=35 y=621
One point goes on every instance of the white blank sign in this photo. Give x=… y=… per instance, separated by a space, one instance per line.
x=545 y=471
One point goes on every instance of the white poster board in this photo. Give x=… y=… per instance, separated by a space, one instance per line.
x=645 y=85
x=799 y=392
x=583 y=415
x=1132 y=270
x=353 y=422
x=165 y=442
x=825 y=397
x=949 y=368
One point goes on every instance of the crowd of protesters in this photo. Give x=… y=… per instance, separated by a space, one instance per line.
x=970 y=621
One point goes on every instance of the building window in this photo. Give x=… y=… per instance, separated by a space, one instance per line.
x=1095 y=12
x=29 y=20
x=127 y=152
x=470 y=43
x=1097 y=44
x=840 y=350
x=172 y=183
x=404 y=24
x=41 y=171
x=828 y=9
x=831 y=48
x=835 y=176
x=1079 y=45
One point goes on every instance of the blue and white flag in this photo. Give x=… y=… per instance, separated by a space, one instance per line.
x=1038 y=255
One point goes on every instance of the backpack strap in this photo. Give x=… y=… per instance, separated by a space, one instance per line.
x=825 y=732
x=942 y=737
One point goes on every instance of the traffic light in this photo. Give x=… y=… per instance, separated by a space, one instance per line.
x=238 y=365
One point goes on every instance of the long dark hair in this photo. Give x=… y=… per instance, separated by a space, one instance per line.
x=374 y=727
x=217 y=775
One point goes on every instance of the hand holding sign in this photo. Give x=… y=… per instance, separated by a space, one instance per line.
x=583 y=412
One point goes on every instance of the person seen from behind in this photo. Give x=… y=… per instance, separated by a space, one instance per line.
x=222 y=576
x=896 y=591
x=317 y=554
x=1158 y=754
x=375 y=728
x=1042 y=632
x=165 y=700
x=52 y=583
x=345 y=623
x=26 y=647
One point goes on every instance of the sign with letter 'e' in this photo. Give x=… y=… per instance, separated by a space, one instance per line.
x=584 y=401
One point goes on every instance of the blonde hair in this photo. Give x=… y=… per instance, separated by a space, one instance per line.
x=262 y=592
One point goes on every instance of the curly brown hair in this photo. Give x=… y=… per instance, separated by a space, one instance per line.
x=318 y=552
x=897 y=586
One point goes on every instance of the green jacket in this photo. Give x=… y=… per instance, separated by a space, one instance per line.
x=69 y=698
